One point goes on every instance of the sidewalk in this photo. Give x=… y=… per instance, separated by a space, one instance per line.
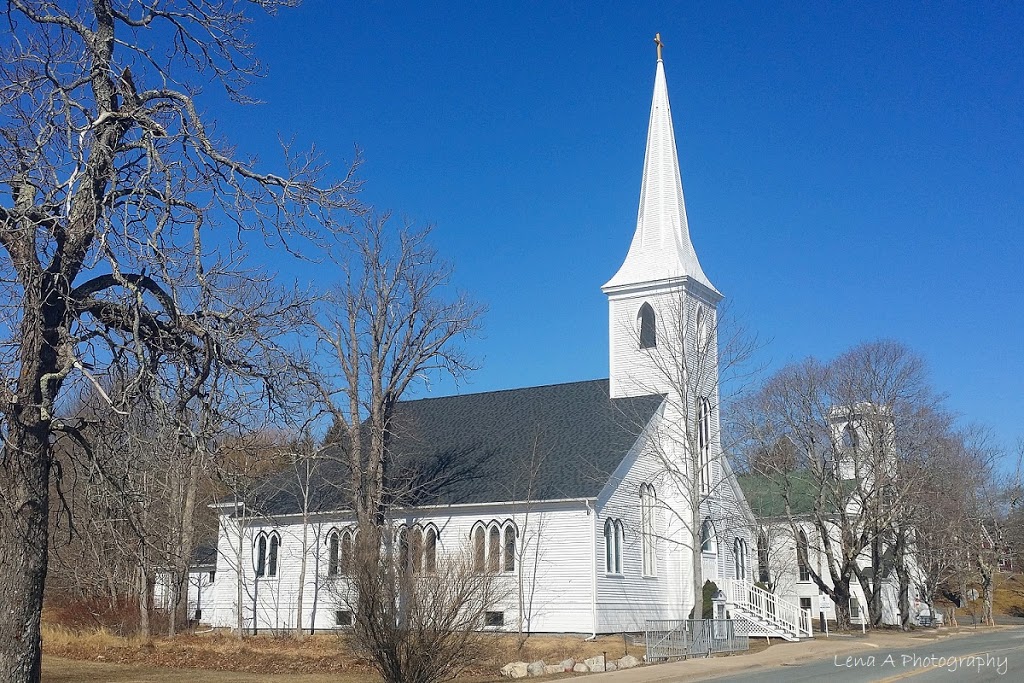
x=782 y=654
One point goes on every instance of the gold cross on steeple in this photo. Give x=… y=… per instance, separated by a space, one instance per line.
x=657 y=41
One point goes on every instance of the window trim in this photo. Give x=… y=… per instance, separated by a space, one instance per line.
x=614 y=537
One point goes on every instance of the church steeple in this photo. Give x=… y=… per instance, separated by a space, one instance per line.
x=661 y=249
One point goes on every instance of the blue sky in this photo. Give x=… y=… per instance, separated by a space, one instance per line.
x=851 y=172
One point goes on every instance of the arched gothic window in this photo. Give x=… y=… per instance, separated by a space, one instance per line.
x=703 y=338
x=613 y=538
x=267 y=546
x=493 y=549
x=275 y=544
x=708 y=542
x=494 y=546
x=479 y=546
x=704 y=444
x=261 y=555
x=648 y=537
x=339 y=552
x=646 y=321
x=509 y=564
x=430 y=551
x=739 y=551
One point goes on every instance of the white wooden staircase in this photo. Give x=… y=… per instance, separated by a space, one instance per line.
x=756 y=612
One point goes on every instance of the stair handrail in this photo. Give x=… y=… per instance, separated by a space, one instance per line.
x=770 y=607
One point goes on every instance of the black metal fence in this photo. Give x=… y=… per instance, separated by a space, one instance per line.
x=669 y=639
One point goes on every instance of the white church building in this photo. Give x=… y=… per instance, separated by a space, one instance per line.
x=583 y=491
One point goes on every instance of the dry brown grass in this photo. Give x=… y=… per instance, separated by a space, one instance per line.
x=268 y=655
x=1009 y=595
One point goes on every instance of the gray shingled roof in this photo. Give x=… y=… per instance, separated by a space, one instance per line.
x=572 y=436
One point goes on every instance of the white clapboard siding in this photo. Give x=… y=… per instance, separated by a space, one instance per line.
x=554 y=545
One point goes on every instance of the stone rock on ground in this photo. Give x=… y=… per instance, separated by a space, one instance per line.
x=515 y=670
x=567 y=664
x=627 y=662
x=536 y=668
x=581 y=668
x=554 y=669
x=595 y=663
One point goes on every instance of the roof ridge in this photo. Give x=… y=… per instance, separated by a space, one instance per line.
x=507 y=390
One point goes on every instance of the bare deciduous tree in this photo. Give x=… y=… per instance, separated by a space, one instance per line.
x=114 y=182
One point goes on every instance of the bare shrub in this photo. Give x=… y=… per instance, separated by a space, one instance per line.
x=417 y=626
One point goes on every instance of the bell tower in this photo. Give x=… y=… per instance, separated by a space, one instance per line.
x=661 y=305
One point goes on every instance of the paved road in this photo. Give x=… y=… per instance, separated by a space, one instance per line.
x=988 y=656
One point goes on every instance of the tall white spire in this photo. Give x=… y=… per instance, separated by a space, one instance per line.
x=661 y=249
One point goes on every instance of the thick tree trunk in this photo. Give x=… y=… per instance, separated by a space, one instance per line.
x=25 y=461
x=25 y=471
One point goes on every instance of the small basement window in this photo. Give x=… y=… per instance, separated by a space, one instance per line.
x=494 y=618
x=342 y=617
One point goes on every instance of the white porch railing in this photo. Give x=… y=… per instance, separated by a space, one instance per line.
x=769 y=608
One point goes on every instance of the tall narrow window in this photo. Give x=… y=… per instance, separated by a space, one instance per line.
x=648 y=334
x=430 y=551
x=609 y=540
x=702 y=338
x=493 y=549
x=403 y=549
x=261 y=555
x=345 y=552
x=416 y=549
x=275 y=543
x=850 y=438
x=801 y=555
x=613 y=536
x=648 y=537
x=739 y=552
x=478 y=549
x=707 y=537
x=762 y=559
x=620 y=535
x=509 y=563
x=333 y=552
x=704 y=443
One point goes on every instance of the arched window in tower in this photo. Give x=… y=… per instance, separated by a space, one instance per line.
x=701 y=329
x=704 y=444
x=645 y=320
x=850 y=439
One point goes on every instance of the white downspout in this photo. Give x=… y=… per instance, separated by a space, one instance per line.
x=593 y=570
